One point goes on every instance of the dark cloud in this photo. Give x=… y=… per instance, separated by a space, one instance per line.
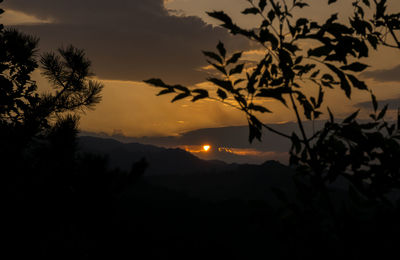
x=127 y=39
x=384 y=75
x=393 y=103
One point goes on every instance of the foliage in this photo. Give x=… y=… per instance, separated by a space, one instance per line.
x=300 y=53
x=28 y=117
x=17 y=63
x=56 y=196
x=68 y=71
x=38 y=131
x=381 y=28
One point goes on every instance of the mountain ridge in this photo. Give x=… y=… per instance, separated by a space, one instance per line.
x=161 y=160
x=178 y=170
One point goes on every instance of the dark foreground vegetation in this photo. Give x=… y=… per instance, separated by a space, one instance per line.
x=64 y=204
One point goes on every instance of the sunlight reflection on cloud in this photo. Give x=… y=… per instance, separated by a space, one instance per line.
x=12 y=17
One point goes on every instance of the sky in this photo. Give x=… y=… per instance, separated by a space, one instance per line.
x=129 y=41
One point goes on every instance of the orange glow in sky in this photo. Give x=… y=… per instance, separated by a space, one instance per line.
x=206 y=147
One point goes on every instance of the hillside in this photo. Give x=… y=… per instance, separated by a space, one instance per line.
x=181 y=171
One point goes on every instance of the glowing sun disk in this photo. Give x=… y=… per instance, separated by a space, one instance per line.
x=206 y=148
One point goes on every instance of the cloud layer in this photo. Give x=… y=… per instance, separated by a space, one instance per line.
x=127 y=39
x=386 y=75
x=393 y=103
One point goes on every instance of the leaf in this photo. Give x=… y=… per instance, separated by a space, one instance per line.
x=373 y=40
x=320 y=97
x=275 y=93
x=366 y=2
x=259 y=108
x=344 y=84
x=331 y=117
x=165 y=91
x=262 y=4
x=252 y=10
x=218 y=67
x=328 y=77
x=235 y=57
x=301 y=22
x=271 y=15
x=298 y=60
x=357 y=83
x=225 y=84
x=267 y=36
x=180 y=96
x=308 y=108
x=219 y=15
x=155 y=82
x=331 y=1
x=383 y=112
x=222 y=94
x=380 y=9
x=254 y=128
x=200 y=91
x=265 y=23
x=290 y=47
x=356 y=66
x=236 y=70
x=351 y=117
x=221 y=49
x=315 y=74
x=238 y=81
x=213 y=56
x=374 y=102
x=320 y=51
x=360 y=26
x=202 y=94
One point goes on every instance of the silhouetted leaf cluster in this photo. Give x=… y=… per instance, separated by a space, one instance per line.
x=365 y=154
x=287 y=69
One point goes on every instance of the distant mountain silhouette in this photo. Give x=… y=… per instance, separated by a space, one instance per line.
x=228 y=137
x=181 y=171
x=161 y=160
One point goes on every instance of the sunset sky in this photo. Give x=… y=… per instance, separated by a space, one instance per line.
x=129 y=41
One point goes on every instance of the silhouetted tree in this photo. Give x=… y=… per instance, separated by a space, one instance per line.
x=366 y=154
x=288 y=67
x=24 y=113
x=56 y=197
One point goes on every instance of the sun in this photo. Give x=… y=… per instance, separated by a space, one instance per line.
x=206 y=147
